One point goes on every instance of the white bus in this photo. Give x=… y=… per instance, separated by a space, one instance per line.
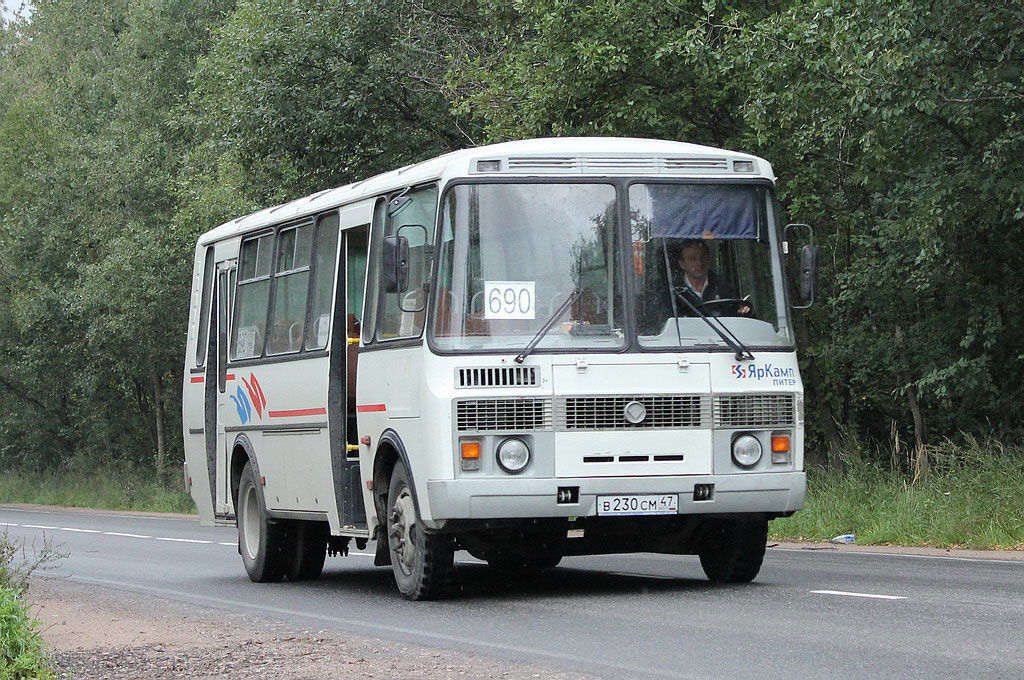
x=527 y=350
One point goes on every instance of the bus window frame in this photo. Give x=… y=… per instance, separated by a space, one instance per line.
x=308 y=221
x=622 y=213
x=622 y=186
x=374 y=265
x=274 y=231
x=205 y=305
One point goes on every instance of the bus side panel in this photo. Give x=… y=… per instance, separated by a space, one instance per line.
x=285 y=405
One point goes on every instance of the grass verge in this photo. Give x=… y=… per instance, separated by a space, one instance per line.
x=971 y=499
x=93 y=489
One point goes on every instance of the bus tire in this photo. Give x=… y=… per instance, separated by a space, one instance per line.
x=733 y=549
x=262 y=541
x=422 y=563
x=309 y=549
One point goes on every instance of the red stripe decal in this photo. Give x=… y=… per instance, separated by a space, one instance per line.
x=198 y=379
x=298 y=412
x=370 y=408
x=229 y=376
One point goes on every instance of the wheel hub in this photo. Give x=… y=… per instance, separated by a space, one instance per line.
x=402 y=532
x=251 y=523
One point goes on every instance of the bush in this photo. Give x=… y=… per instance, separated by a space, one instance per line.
x=21 y=649
x=22 y=656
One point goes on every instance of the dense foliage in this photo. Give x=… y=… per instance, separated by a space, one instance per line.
x=129 y=127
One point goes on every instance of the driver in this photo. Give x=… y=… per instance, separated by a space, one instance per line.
x=697 y=282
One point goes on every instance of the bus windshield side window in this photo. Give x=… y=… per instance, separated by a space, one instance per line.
x=395 y=321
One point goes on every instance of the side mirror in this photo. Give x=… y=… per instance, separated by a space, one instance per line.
x=808 y=274
x=394 y=270
x=808 y=264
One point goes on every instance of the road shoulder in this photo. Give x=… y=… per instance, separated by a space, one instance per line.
x=98 y=633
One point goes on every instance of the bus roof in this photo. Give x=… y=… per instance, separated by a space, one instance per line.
x=547 y=157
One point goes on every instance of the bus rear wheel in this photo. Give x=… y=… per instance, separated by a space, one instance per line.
x=423 y=563
x=262 y=541
x=733 y=549
x=308 y=544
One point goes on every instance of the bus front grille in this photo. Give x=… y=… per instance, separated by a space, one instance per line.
x=755 y=410
x=612 y=412
x=503 y=415
x=498 y=376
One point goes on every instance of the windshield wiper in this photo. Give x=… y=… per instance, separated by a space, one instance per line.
x=573 y=296
x=733 y=342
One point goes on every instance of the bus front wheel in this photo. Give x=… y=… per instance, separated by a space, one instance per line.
x=733 y=549
x=261 y=540
x=423 y=563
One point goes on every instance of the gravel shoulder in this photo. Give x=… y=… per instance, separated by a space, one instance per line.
x=98 y=633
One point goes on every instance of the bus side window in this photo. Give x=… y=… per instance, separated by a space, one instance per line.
x=203 y=332
x=253 y=293
x=420 y=209
x=324 y=267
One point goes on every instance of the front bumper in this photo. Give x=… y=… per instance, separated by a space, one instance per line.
x=508 y=498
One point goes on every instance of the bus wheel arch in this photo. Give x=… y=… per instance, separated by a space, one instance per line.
x=390 y=450
x=242 y=452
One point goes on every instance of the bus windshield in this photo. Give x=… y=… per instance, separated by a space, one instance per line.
x=512 y=254
x=705 y=250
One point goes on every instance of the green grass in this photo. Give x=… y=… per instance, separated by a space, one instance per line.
x=94 y=489
x=972 y=499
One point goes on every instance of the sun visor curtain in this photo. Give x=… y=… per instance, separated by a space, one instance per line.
x=703 y=211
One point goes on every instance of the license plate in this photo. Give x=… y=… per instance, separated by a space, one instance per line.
x=652 y=504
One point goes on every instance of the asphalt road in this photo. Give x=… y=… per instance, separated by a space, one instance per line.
x=810 y=613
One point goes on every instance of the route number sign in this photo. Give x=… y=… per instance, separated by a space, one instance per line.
x=509 y=300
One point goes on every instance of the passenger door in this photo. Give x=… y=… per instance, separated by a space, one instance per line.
x=219 y=403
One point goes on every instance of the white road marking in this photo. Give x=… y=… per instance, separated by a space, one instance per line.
x=230 y=545
x=118 y=533
x=81 y=531
x=869 y=595
x=181 y=540
x=10 y=524
x=38 y=526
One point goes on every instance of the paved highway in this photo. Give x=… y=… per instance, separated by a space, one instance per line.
x=810 y=613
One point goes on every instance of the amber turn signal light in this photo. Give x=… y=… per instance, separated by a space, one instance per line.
x=780 y=444
x=470 y=456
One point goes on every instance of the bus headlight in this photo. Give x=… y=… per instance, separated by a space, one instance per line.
x=513 y=455
x=746 y=450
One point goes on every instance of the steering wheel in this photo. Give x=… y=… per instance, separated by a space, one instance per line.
x=727 y=307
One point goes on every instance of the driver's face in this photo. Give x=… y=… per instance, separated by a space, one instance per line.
x=695 y=262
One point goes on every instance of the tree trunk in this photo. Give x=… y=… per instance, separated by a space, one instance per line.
x=161 y=440
x=828 y=420
x=921 y=462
